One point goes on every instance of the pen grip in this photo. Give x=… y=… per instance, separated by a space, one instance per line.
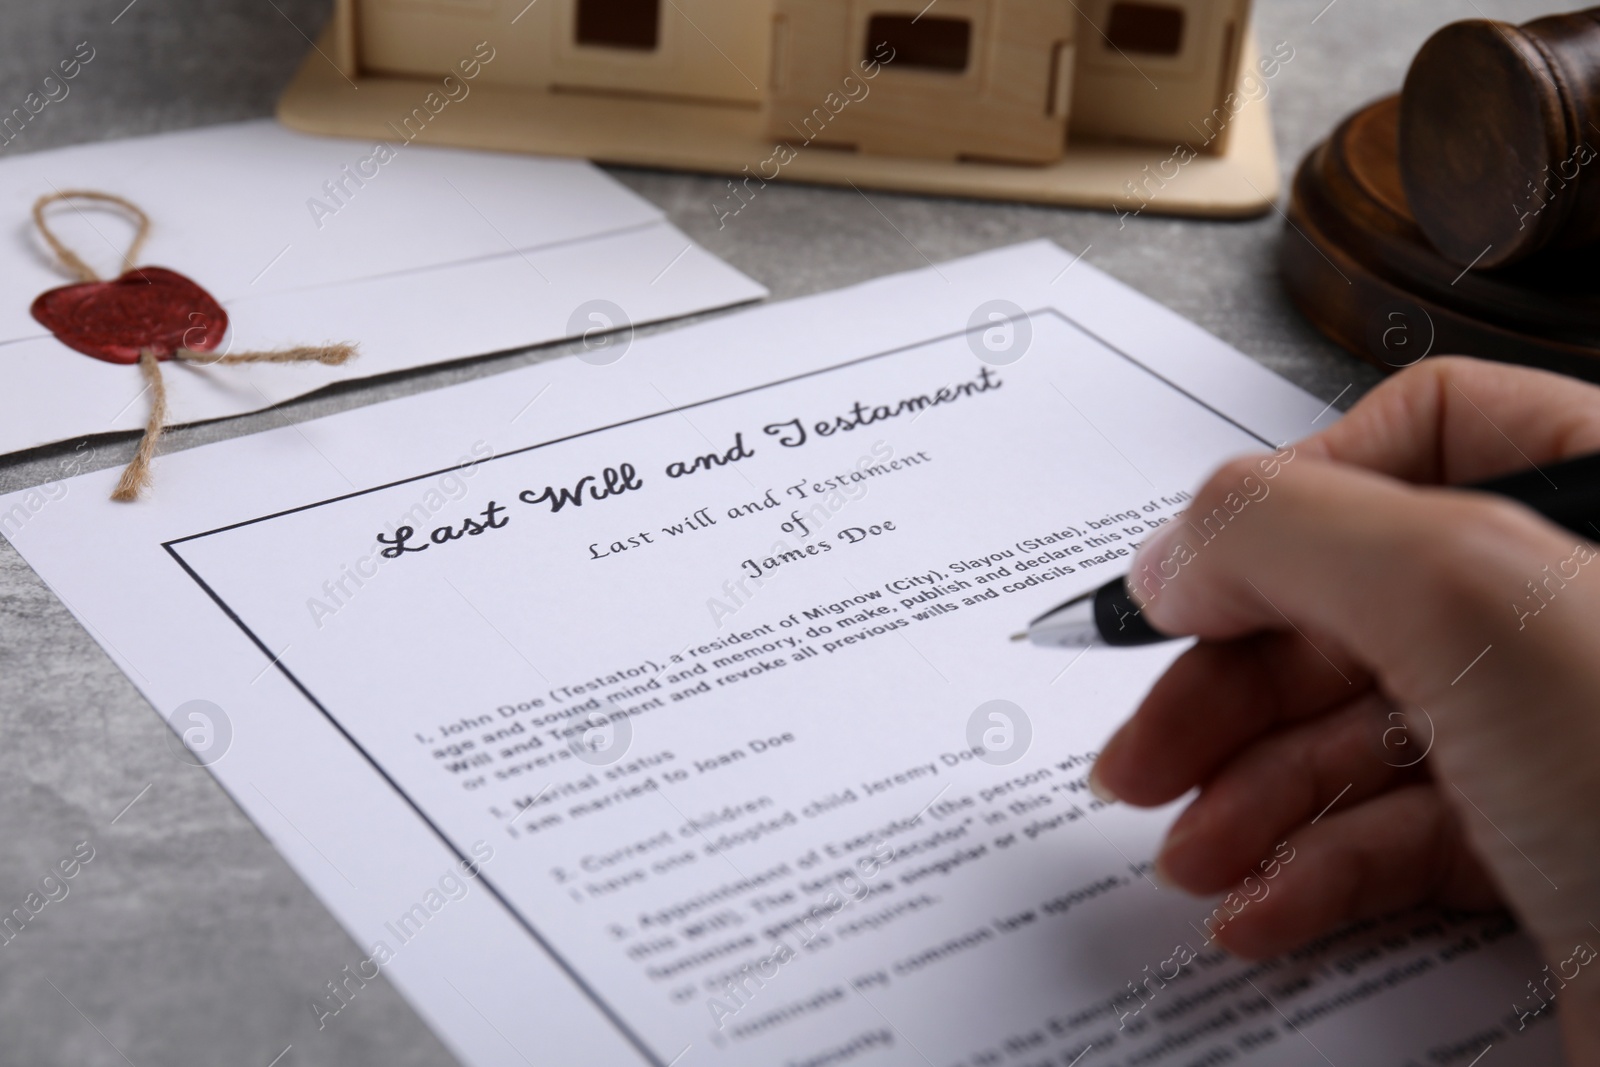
x=1565 y=493
x=1118 y=618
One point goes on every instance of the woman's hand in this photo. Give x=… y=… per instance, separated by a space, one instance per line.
x=1353 y=617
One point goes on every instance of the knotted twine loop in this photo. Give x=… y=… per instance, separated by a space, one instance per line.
x=69 y=259
x=136 y=476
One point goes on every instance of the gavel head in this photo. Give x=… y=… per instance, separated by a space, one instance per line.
x=1500 y=138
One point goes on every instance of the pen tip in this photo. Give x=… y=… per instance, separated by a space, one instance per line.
x=1023 y=636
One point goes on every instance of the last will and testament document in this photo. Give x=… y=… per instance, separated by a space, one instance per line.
x=660 y=711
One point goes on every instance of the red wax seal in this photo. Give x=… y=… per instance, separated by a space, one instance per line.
x=149 y=308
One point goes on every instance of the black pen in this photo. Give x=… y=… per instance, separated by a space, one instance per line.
x=1566 y=493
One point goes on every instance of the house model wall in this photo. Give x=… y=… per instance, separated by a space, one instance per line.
x=973 y=79
x=1159 y=71
x=994 y=80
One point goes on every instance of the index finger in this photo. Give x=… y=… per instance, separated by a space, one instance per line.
x=1452 y=420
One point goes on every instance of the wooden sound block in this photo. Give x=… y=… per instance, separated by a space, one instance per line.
x=1357 y=265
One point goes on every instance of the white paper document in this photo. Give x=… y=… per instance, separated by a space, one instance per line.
x=416 y=254
x=663 y=713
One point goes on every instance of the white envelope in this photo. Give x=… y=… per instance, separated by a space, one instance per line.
x=418 y=255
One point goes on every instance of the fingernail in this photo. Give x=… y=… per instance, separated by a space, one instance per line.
x=1096 y=785
x=1160 y=875
x=1163 y=871
x=1145 y=572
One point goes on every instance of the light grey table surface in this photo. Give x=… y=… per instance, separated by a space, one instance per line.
x=187 y=939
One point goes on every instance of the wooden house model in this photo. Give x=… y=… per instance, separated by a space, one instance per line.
x=1057 y=100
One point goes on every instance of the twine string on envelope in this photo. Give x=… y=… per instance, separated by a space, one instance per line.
x=136 y=476
x=69 y=259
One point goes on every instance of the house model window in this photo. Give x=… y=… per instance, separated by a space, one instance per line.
x=1145 y=29
x=632 y=24
x=923 y=43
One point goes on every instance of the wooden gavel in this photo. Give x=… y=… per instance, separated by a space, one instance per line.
x=1500 y=138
